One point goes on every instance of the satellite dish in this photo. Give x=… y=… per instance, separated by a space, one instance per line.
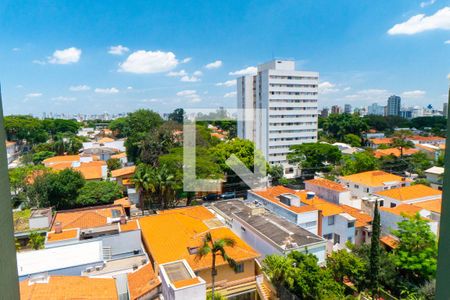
x=430 y=106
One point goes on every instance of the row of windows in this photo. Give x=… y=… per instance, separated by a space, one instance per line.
x=293 y=93
x=293 y=108
x=287 y=147
x=291 y=123
x=293 y=100
x=294 y=77
x=286 y=139
x=293 y=85
x=292 y=116
x=293 y=131
x=308 y=224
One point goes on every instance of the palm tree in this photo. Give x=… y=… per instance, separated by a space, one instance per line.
x=216 y=248
x=142 y=179
x=399 y=141
x=163 y=183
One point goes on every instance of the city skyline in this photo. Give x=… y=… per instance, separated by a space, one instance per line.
x=75 y=59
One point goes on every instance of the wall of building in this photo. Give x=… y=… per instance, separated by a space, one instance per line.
x=226 y=273
x=339 y=227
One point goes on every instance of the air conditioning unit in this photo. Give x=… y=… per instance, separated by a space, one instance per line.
x=98 y=268
x=90 y=269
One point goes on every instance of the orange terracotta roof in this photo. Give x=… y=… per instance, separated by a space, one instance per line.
x=105 y=140
x=217 y=135
x=410 y=192
x=331 y=185
x=390 y=241
x=186 y=282
x=142 y=281
x=442 y=146
x=327 y=208
x=381 y=141
x=274 y=192
x=426 y=147
x=426 y=138
x=32 y=177
x=123 y=171
x=89 y=217
x=197 y=212
x=119 y=155
x=374 y=178
x=431 y=205
x=127 y=181
x=394 y=151
x=9 y=144
x=61 y=158
x=90 y=170
x=64 y=235
x=129 y=226
x=407 y=210
x=125 y=202
x=178 y=230
x=362 y=218
x=70 y=287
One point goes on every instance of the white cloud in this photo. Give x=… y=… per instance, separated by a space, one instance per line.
x=129 y=88
x=214 y=65
x=19 y=86
x=448 y=76
x=15 y=49
x=118 y=50
x=112 y=90
x=191 y=95
x=230 y=95
x=228 y=83
x=64 y=99
x=246 y=71
x=148 y=62
x=369 y=95
x=447 y=42
x=33 y=95
x=427 y=3
x=420 y=23
x=67 y=56
x=189 y=79
x=327 y=87
x=152 y=100
x=186 y=60
x=39 y=62
x=180 y=73
x=79 y=88
x=413 y=94
x=198 y=73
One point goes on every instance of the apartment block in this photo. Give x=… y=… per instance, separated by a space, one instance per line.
x=279 y=110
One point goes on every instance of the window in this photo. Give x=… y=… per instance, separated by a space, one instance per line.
x=381 y=203
x=243 y=229
x=239 y=268
x=337 y=239
x=393 y=205
x=356 y=186
x=328 y=236
x=351 y=224
x=193 y=250
x=350 y=239
x=331 y=220
x=367 y=190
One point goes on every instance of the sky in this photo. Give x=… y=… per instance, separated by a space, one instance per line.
x=119 y=56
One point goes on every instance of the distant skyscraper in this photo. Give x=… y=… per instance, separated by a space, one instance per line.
x=445 y=108
x=375 y=109
x=336 y=109
x=324 y=112
x=347 y=109
x=393 y=106
x=288 y=99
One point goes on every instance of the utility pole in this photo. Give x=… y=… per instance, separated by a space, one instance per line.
x=443 y=268
x=9 y=282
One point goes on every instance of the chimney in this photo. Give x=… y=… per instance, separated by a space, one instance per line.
x=58 y=227
x=123 y=220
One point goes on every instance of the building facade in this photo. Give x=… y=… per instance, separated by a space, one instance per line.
x=278 y=110
x=393 y=106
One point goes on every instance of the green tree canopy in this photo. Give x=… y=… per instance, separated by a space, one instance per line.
x=98 y=192
x=352 y=139
x=339 y=125
x=177 y=115
x=359 y=162
x=313 y=157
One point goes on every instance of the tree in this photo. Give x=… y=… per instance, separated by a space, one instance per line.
x=216 y=247
x=278 y=269
x=36 y=240
x=359 y=162
x=314 y=156
x=344 y=264
x=113 y=164
x=374 y=259
x=352 y=139
x=42 y=155
x=98 y=192
x=276 y=172
x=217 y=296
x=339 y=125
x=142 y=181
x=399 y=141
x=177 y=115
x=416 y=254
x=26 y=128
x=419 y=162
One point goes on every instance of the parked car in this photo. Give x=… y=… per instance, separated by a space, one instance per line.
x=210 y=197
x=228 y=195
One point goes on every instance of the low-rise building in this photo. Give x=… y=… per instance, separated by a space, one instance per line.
x=408 y=195
x=397 y=152
x=433 y=140
x=266 y=232
x=367 y=183
x=435 y=175
x=329 y=190
x=376 y=142
x=104 y=148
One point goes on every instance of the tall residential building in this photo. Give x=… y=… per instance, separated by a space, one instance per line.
x=336 y=109
x=375 y=109
x=445 y=108
x=280 y=110
x=347 y=109
x=324 y=112
x=393 y=106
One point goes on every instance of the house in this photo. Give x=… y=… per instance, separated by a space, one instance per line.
x=408 y=195
x=90 y=169
x=432 y=151
x=363 y=224
x=12 y=151
x=122 y=157
x=376 y=142
x=122 y=174
x=391 y=216
x=172 y=239
x=64 y=159
x=378 y=153
x=433 y=140
x=266 y=232
x=366 y=183
x=68 y=287
x=329 y=190
x=104 y=148
x=143 y=283
x=435 y=175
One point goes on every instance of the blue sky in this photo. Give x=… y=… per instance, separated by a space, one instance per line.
x=117 y=56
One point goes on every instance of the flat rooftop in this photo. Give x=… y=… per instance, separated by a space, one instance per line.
x=275 y=228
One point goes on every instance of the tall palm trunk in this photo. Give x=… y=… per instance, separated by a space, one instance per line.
x=213 y=274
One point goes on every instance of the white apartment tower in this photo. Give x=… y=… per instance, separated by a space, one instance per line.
x=280 y=110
